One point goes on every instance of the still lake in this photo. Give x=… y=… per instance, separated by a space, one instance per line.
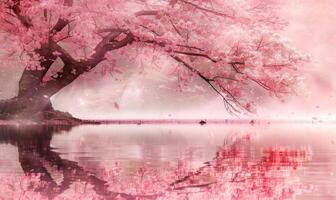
x=261 y=161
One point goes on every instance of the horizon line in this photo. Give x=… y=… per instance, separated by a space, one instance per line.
x=186 y=121
x=201 y=121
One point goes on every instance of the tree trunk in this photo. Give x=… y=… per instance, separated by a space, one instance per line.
x=32 y=103
x=33 y=99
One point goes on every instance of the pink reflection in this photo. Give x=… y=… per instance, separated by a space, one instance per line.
x=237 y=171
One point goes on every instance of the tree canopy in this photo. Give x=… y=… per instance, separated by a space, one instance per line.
x=231 y=45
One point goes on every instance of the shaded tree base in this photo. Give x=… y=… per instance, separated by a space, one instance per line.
x=37 y=110
x=44 y=117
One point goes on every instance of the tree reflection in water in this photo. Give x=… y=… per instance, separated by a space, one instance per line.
x=235 y=172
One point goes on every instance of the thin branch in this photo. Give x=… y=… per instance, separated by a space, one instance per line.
x=227 y=104
x=222 y=77
x=147 y=13
x=233 y=65
x=151 y=30
x=197 y=55
x=189 y=47
x=261 y=84
x=195 y=186
x=175 y=28
x=208 y=10
x=163 y=44
x=187 y=177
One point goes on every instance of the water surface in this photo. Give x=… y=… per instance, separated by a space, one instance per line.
x=173 y=161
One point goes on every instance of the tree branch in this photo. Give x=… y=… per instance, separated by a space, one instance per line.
x=72 y=68
x=197 y=55
x=217 y=13
x=231 y=108
x=61 y=23
x=146 y=13
x=109 y=43
x=25 y=21
x=62 y=53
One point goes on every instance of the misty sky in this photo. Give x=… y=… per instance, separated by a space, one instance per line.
x=149 y=92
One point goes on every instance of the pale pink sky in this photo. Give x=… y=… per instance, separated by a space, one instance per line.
x=312 y=30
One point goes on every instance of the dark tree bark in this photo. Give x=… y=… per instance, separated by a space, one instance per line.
x=33 y=99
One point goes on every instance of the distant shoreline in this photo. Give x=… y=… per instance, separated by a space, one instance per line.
x=158 y=122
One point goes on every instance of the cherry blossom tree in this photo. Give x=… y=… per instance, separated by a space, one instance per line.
x=232 y=46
